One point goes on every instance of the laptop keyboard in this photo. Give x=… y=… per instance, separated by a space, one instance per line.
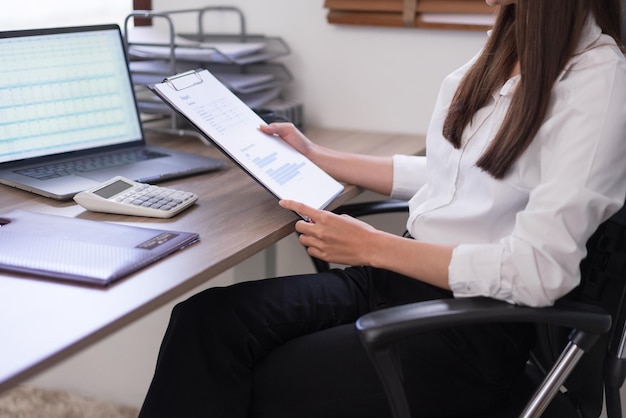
x=98 y=162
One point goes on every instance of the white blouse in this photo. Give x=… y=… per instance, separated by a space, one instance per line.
x=521 y=239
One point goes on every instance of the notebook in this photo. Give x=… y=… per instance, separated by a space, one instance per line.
x=69 y=118
x=81 y=250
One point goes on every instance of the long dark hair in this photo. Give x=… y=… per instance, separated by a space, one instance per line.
x=542 y=35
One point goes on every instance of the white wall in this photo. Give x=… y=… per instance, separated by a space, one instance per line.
x=346 y=77
x=45 y=13
x=383 y=79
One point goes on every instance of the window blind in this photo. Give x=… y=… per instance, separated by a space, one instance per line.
x=444 y=14
x=142 y=5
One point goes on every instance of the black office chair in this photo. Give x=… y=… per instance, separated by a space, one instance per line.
x=590 y=320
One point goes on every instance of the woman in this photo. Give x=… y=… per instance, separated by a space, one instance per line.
x=525 y=159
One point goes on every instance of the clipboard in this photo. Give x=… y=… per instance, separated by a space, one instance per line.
x=228 y=123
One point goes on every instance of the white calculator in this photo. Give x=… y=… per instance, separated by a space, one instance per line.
x=127 y=197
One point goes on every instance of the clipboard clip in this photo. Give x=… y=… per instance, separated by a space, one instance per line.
x=184 y=80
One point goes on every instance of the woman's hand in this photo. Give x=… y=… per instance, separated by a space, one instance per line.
x=346 y=240
x=291 y=135
x=369 y=172
x=330 y=237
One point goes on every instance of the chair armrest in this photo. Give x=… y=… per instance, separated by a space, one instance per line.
x=373 y=208
x=381 y=328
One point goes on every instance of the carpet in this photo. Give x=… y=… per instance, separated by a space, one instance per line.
x=31 y=402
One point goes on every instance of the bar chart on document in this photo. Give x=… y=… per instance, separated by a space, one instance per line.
x=233 y=127
x=282 y=175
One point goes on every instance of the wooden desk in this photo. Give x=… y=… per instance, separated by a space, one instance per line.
x=43 y=321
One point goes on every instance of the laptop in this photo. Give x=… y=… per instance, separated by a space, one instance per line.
x=69 y=118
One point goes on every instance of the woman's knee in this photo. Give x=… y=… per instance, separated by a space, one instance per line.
x=203 y=308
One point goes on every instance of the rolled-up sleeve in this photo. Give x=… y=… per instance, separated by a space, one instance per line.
x=409 y=174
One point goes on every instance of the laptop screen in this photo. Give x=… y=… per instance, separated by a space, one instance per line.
x=64 y=90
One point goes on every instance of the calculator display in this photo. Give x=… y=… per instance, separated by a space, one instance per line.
x=112 y=189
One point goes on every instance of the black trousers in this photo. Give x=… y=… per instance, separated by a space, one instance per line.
x=287 y=347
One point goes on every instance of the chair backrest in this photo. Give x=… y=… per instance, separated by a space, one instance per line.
x=603 y=283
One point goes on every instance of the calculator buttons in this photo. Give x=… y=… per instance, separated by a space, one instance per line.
x=138 y=199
